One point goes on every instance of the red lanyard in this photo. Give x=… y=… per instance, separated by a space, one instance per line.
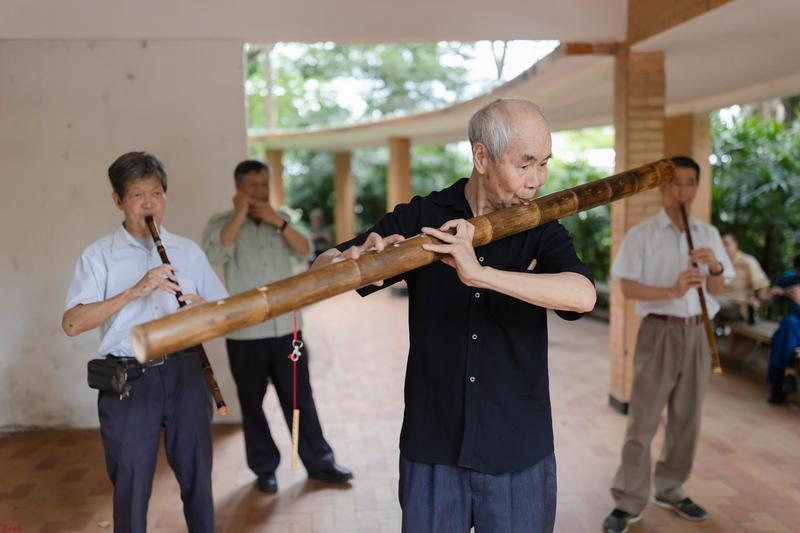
x=294 y=356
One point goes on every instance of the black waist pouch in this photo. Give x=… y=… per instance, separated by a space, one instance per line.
x=109 y=375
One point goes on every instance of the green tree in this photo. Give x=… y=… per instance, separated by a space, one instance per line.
x=590 y=230
x=756 y=187
x=389 y=79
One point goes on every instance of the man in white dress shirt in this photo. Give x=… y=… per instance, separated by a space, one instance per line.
x=672 y=363
x=120 y=282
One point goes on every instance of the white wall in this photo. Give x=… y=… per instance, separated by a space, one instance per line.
x=67 y=110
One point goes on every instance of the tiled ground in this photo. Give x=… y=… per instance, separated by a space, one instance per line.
x=747 y=472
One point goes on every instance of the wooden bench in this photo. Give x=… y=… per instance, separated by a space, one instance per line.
x=760 y=332
x=748 y=343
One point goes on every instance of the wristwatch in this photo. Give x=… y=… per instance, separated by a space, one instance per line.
x=283 y=226
x=719 y=273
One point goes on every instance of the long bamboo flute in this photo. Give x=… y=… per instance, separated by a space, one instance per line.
x=214 y=319
x=712 y=345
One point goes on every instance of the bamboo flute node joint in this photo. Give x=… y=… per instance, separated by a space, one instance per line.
x=214 y=319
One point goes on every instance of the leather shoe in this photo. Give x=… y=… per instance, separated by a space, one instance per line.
x=336 y=474
x=267 y=484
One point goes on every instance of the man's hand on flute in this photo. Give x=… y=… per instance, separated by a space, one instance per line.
x=564 y=291
x=458 y=247
x=691 y=278
x=190 y=300
x=705 y=256
x=374 y=243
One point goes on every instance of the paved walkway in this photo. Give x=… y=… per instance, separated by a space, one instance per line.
x=747 y=474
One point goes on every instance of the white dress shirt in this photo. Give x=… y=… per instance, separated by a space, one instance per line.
x=655 y=252
x=117 y=262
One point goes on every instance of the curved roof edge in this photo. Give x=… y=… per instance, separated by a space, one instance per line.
x=574 y=91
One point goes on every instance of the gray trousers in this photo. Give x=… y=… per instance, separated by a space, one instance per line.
x=452 y=499
x=672 y=369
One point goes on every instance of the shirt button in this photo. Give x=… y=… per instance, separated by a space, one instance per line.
x=474 y=337
x=477 y=295
x=480 y=259
x=472 y=379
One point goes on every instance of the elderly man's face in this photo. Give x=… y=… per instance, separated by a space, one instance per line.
x=515 y=176
x=142 y=197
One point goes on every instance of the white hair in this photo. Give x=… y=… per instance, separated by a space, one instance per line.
x=492 y=126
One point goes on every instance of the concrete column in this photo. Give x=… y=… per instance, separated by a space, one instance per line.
x=275 y=163
x=639 y=130
x=344 y=191
x=398 y=187
x=690 y=135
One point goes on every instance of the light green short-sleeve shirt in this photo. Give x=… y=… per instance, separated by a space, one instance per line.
x=260 y=255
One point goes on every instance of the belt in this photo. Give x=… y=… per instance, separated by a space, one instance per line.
x=683 y=320
x=129 y=362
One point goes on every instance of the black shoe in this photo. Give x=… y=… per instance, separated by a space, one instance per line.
x=777 y=396
x=267 y=484
x=335 y=474
x=685 y=508
x=618 y=521
x=789 y=384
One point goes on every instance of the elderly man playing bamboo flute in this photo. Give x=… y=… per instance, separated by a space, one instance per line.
x=476 y=447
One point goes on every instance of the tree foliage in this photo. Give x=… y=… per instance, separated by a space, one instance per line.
x=385 y=79
x=590 y=230
x=756 y=188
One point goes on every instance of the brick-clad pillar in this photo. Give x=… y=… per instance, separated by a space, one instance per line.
x=275 y=163
x=650 y=17
x=344 y=197
x=398 y=186
x=639 y=139
x=690 y=135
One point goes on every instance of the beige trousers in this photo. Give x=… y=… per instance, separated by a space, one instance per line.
x=672 y=369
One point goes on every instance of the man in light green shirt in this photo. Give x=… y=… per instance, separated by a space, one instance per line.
x=255 y=244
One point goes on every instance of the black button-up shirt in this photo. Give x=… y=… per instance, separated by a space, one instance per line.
x=476 y=392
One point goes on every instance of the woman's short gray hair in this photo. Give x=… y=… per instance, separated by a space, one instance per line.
x=492 y=126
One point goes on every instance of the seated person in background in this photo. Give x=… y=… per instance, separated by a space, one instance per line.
x=787 y=337
x=749 y=288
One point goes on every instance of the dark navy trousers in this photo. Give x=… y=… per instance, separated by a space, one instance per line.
x=173 y=397
x=254 y=363
x=452 y=499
